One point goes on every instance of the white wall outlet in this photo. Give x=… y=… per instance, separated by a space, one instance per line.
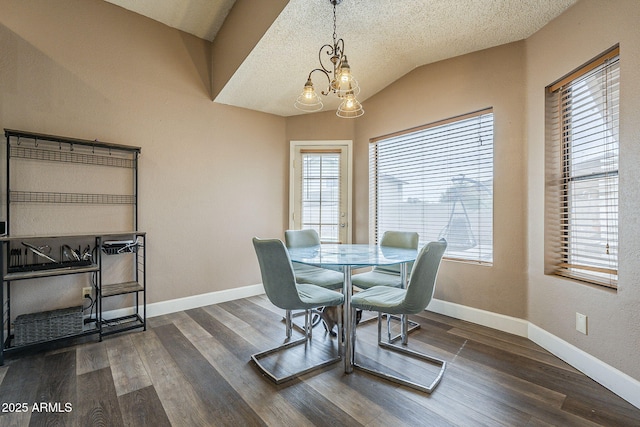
x=581 y=323
x=86 y=292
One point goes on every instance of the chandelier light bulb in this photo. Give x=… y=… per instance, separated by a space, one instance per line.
x=344 y=72
x=308 y=99
x=309 y=94
x=349 y=104
x=345 y=82
x=350 y=108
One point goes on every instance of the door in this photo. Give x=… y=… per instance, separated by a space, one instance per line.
x=320 y=189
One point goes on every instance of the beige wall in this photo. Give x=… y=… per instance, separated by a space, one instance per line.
x=490 y=78
x=320 y=126
x=581 y=33
x=211 y=176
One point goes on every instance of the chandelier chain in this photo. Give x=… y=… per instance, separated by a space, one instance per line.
x=335 y=36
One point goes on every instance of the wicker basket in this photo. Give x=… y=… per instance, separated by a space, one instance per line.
x=47 y=325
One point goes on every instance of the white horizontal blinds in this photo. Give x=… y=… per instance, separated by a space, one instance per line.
x=321 y=193
x=437 y=180
x=588 y=107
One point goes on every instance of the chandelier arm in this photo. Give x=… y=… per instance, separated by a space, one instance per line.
x=338 y=52
x=328 y=50
x=326 y=74
x=339 y=48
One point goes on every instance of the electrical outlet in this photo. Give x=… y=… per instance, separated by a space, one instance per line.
x=581 y=323
x=86 y=292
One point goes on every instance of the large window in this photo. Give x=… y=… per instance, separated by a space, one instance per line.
x=582 y=173
x=437 y=180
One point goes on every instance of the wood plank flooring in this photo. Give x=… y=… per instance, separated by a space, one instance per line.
x=192 y=369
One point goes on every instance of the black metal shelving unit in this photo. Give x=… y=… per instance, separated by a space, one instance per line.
x=15 y=267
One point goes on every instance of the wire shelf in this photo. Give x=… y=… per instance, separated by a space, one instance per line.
x=22 y=152
x=78 y=198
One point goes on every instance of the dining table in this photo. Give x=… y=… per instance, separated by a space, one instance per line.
x=346 y=258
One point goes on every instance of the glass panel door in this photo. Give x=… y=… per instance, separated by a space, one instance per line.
x=320 y=191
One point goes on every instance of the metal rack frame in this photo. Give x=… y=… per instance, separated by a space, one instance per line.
x=136 y=286
x=51 y=148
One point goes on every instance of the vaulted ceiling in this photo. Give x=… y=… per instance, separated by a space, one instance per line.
x=383 y=39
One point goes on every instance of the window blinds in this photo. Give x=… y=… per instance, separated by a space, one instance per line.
x=437 y=180
x=584 y=133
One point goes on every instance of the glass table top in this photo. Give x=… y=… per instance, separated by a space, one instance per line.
x=357 y=255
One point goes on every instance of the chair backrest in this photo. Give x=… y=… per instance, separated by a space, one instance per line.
x=423 y=277
x=277 y=273
x=301 y=238
x=398 y=239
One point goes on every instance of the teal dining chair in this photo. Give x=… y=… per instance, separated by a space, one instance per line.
x=304 y=273
x=326 y=278
x=282 y=290
x=398 y=301
x=389 y=275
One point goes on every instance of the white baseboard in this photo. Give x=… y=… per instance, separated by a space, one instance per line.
x=188 y=303
x=618 y=382
x=497 y=321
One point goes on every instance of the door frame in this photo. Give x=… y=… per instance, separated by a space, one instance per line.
x=294 y=145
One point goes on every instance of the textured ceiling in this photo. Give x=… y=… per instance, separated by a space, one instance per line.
x=384 y=39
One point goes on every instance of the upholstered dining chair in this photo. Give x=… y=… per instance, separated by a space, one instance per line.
x=282 y=290
x=326 y=278
x=388 y=275
x=398 y=301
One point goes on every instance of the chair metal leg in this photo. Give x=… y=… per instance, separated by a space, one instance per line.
x=352 y=332
x=404 y=326
x=388 y=327
x=341 y=333
x=307 y=323
x=409 y=325
x=288 y=323
x=315 y=319
x=305 y=339
x=412 y=353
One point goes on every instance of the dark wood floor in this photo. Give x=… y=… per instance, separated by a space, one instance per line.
x=192 y=368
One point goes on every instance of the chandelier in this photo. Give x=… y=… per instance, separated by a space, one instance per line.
x=338 y=74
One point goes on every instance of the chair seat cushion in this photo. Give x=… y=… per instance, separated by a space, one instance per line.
x=318 y=276
x=376 y=278
x=314 y=296
x=380 y=298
